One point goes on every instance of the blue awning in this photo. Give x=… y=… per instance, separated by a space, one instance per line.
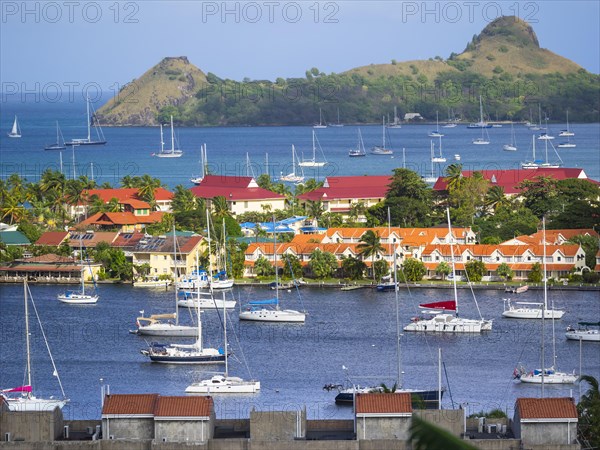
x=271 y=301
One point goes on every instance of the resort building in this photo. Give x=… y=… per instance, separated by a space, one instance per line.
x=166 y=257
x=555 y=237
x=383 y=416
x=49 y=268
x=242 y=194
x=128 y=199
x=509 y=180
x=545 y=422
x=342 y=194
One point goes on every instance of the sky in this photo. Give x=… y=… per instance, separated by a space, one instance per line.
x=65 y=45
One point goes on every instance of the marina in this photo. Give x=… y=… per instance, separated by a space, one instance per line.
x=293 y=362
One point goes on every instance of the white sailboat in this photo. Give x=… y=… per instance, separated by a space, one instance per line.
x=59 y=138
x=567 y=133
x=79 y=297
x=88 y=140
x=338 y=124
x=203 y=164
x=529 y=310
x=483 y=140
x=223 y=383
x=533 y=164
x=551 y=165
x=313 y=162
x=382 y=150
x=15 y=131
x=269 y=310
x=447 y=322
x=512 y=147
x=360 y=148
x=293 y=177
x=545 y=375
x=165 y=324
x=431 y=178
x=169 y=153
x=438 y=159
x=321 y=124
x=396 y=123
x=436 y=133
x=584 y=332
x=25 y=400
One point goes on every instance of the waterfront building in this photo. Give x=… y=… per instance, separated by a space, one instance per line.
x=159 y=254
x=49 y=268
x=545 y=422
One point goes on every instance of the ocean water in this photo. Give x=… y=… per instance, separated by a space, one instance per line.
x=129 y=150
x=355 y=329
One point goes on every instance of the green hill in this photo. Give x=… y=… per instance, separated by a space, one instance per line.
x=504 y=64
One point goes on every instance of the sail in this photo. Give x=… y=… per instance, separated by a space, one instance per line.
x=14 y=129
x=271 y=301
x=25 y=388
x=447 y=305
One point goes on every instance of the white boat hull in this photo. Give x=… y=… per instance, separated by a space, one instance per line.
x=583 y=335
x=165 y=329
x=152 y=284
x=312 y=164
x=554 y=378
x=223 y=385
x=532 y=313
x=509 y=148
x=34 y=404
x=273 y=315
x=206 y=303
x=221 y=284
x=447 y=323
x=78 y=299
x=567 y=145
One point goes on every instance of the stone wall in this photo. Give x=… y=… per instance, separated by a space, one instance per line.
x=134 y=428
x=31 y=426
x=277 y=425
x=548 y=433
x=195 y=431
x=382 y=428
x=452 y=420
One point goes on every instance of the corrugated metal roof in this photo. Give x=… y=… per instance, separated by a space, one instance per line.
x=129 y=404
x=377 y=403
x=546 y=408
x=52 y=238
x=173 y=406
x=13 y=238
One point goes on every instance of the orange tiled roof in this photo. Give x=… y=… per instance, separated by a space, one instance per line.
x=379 y=403
x=182 y=406
x=54 y=238
x=50 y=258
x=506 y=250
x=301 y=239
x=122 y=218
x=546 y=408
x=160 y=194
x=129 y=404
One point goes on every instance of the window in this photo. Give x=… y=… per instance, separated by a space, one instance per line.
x=559 y=258
x=437 y=258
x=246 y=205
x=497 y=258
x=165 y=257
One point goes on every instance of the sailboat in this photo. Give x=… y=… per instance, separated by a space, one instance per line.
x=26 y=401
x=438 y=159
x=293 y=177
x=584 y=332
x=483 y=125
x=321 y=124
x=529 y=310
x=536 y=126
x=269 y=310
x=15 y=131
x=88 y=140
x=382 y=150
x=338 y=124
x=436 y=133
x=220 y=280
x=165 y=324
x=533 y=164
x=313 y=162
x=79 y=297
x=546 y=136
x=396 y=122
x=203 y=164
x=172 y=152
x=223 y=383
x=443 y=319
x=451 y=120
x=431 y=178
x=545 y=375
x=360 y=148
x=567 y=133
x=59 y=138
x=551 y=165
x=512 y=147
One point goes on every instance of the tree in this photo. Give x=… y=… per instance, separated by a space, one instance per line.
x=381 y=268
x=291 y=266
x=414 y=269
x=454 y=176
x=589 y=413
x=426 y=436
x=540 y=195
x=443 y=269
x=220 y=208
x=315 y=209
x=495 y=198
x=475 y=270
x=322 y=264
x=370 y=246
x=505 y=271
x=353 y=268
x=536 y=274
x=263 y=268
x=146 y=188
x=468 y=199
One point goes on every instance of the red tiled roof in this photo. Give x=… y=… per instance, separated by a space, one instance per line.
x=235 y=193
x=379 y=403
x=52 y=238
x=60 y=268
x=49 y=258
x=189 y=244
x=122 y=218
x=354 y=187
x=546 y=408
x=129 y=404
x=127 y=239
x=160 y=194
x=183 y=406
x=510 y=179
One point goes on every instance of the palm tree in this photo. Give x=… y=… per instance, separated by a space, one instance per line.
x=388 y=390
x=589 y=413
x=370 y=245
x=425 y=436
x=220 y=208
x=315 y=209
x=147 y=186
x=454 y=176
x=13 y=209
x=495 y=198
x=129 y=182
x=86 y=182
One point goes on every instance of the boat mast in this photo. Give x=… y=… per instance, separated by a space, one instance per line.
x=162 y=141
x=27 y=334
x=293 y=160
x=403 y=158
x=81 y=262
x=172 y=137
x=89 y=137
x=544 y=306
x=383 y=131
x=275 y=262
x=314 y=146
x=175 y=274
x=198 y=312
x=394 y=268
x=452 y=256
